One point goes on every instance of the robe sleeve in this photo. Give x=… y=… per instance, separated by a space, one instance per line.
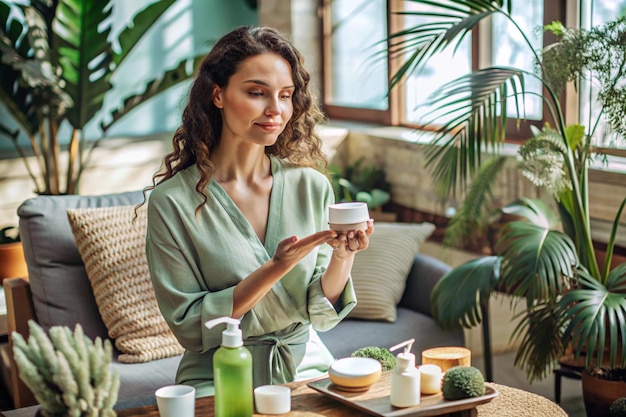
x=184 y=300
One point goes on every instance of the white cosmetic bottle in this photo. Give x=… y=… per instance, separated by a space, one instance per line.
x=405 y=378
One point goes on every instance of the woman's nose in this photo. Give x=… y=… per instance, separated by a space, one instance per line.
x=273 y=107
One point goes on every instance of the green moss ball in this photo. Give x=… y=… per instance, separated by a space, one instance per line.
x=381 y=354
x=618 y=408
x=463 y=382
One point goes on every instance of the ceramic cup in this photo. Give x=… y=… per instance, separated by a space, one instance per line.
x=348 y=216
x=176 y=401
x=272 y=399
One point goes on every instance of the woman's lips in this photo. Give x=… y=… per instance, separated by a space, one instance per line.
x=269 y=127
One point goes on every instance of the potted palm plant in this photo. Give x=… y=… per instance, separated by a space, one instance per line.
x=58 y=60
x=547 y=258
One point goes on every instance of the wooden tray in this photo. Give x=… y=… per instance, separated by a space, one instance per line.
x=375 y=401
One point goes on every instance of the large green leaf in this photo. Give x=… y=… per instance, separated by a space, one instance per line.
x=17 y=98
x=135 y=31
x=538 y=262
x=475 y=105
x=540 y=341
x=595 y=315
x=534 y=210
x=170 y=78
x=457 y=298
x=19 y=73
x=81 y=31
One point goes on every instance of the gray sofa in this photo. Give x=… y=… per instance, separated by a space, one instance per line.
x=61 y=295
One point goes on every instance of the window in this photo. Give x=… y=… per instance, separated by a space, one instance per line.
x=352 y=55
x=595 y=13
x=355 y=78
x=356 y=67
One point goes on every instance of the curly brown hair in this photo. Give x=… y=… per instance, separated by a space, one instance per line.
x=199 y=133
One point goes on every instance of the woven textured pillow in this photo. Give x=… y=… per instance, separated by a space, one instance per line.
x=112 y=246
x=379 y=273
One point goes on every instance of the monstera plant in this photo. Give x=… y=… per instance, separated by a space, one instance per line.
x=543 y=256
x=58 y=58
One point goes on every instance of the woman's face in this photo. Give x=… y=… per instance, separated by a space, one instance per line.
x=257 y=103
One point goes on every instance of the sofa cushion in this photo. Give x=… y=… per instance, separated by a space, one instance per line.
x=139 y=381
x=111 y=241
x=352 y=334
x=379 y=273
x=54 y=264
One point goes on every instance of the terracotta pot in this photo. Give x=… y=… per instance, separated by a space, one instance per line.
x=12 y=262
x=599 y=394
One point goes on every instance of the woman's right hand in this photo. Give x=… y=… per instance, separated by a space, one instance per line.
x=292 y=250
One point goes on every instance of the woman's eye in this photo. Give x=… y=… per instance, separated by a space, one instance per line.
x=255 y=93
x=285 y=96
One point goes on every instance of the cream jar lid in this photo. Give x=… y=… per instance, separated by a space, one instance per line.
x=348 y=213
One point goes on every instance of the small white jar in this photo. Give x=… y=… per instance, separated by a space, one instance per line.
x=272 y=399
x=430 y=379
x=348 y=216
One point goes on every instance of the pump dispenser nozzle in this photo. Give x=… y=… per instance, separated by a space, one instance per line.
x=406 y=358
x=231 y=337
x=408 y=345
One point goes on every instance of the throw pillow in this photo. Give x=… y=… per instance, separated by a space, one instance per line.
x=111 y=243
x=379 y=273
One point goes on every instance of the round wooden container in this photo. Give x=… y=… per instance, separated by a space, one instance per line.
x=447 y=357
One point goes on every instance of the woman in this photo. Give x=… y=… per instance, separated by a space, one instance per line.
x=237 y=219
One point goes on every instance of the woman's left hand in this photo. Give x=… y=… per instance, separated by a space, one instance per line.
x=347 y=244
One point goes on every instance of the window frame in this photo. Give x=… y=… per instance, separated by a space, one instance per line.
x=395 y=114
x=383 y=117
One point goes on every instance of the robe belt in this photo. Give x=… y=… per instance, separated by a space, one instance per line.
x=282 y=367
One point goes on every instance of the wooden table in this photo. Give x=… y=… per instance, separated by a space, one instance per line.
x=306 y=402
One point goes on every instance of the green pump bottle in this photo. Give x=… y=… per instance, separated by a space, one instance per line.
x=232 y=372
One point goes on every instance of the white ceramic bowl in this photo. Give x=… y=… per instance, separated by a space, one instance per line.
x=348 y=216
x=354 y=374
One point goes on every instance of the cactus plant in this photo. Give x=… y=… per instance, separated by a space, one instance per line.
x=67 y=372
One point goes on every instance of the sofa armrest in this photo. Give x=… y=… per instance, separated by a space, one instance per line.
x=19 y=311
x=424 y=274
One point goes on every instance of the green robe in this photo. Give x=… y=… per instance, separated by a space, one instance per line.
x=196 y=260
